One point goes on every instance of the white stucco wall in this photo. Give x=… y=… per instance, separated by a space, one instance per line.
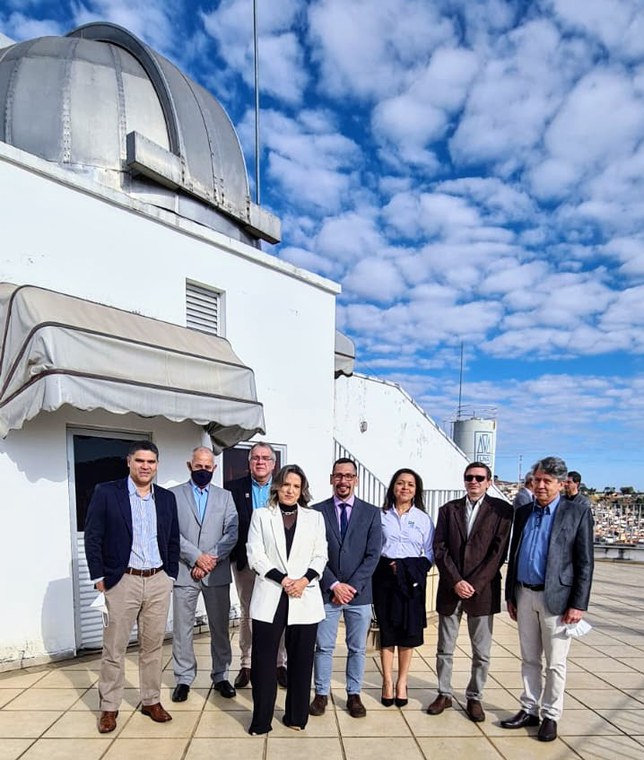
x=68 y=235
x=398 y=433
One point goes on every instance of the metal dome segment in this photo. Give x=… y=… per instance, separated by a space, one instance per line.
x=117 y=35
x=201 y=135
x=100 y=102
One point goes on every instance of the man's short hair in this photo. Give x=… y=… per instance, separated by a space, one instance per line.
x=472 y=465
x=529 y=480
x=553 y=466
x=142 y=446
x=262 y=445
x=345 y=460
x=574 y=476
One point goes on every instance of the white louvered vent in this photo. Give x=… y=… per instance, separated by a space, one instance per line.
x=202 y=308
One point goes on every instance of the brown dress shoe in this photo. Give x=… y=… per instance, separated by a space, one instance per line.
x=243 y=678
x=318 y=705
x=441 y=703
x=107 y=721
x=156 y=712
x=474 y=710
x=355 y=707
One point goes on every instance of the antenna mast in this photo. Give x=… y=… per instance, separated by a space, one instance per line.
x=256 y=57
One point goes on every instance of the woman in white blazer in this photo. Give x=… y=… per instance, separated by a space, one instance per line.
x=287 y=549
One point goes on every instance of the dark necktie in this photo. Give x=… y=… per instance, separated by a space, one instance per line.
x=344 y=522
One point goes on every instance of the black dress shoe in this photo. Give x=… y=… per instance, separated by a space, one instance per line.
x=243 y=678
x=180 y=693
x=520 y=720
x=281 y=677
x=226 y=689
x=547 y=730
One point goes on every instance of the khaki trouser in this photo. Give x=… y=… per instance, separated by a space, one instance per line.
x=142 y=600
x=542 y=636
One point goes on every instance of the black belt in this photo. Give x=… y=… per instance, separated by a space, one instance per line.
x=144 y=573
x=531 y=586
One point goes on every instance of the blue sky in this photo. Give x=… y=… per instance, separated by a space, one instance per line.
x=468 y=171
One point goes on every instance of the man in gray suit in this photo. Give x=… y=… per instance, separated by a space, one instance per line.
x=208 y=533
x=354 y=538
x=548 y=583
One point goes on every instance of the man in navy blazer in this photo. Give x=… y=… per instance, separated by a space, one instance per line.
x=550 y=572
x=132 y=550
x=354 y=537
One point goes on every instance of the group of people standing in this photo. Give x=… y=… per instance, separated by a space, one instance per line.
x=300 y=569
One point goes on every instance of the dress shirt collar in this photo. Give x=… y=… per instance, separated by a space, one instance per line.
x=198 y=490
x=349 y=502
x=132 y=491
x=473 y=504
x=549 y=508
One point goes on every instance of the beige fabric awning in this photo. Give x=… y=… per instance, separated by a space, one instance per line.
x=345 y=355
x=58 y=349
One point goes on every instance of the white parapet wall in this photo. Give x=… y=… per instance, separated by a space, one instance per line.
x=384 y=428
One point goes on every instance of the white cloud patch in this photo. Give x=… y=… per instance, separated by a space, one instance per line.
x=282 y=73
x=369 y=50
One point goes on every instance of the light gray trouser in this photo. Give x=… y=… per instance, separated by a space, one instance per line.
x=480 y=632
x=217 y=602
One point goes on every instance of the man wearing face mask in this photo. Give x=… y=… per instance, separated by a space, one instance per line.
x=208 y=531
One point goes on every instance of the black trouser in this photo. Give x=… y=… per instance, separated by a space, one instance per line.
x=300 y=644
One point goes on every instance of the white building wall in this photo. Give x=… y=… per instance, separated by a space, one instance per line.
x=397 y=434
x=77 y=238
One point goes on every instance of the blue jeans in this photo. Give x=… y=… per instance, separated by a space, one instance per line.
x=357 y=619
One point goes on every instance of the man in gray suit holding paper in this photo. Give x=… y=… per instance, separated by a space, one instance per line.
x=550 y=572
x=208 y=532
x=354 y=537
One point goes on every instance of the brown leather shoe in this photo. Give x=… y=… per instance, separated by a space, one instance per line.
x=107 y=721
x=475 y=711
x=156 y=712
x=318 y=706
x=442 y=702
x=355 y=707
x=243 y=678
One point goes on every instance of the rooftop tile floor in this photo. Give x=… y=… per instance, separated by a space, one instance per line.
x=49 y=712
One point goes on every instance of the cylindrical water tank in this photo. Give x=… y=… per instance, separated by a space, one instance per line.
x=476 y=437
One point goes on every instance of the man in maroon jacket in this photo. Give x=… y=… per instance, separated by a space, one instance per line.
x=470 y=545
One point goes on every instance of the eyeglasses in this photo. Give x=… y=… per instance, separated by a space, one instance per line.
x=261 y=459
x=477 y=478
x=343 y=476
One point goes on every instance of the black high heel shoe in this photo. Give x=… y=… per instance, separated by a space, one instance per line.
x=386 y=701
x=401 y=702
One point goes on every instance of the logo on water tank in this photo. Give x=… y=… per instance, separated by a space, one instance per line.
x=484 y=447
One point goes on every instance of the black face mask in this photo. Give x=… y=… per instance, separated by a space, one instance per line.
x=201 y=478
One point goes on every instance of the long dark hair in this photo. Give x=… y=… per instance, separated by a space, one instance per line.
x=278 y=481
x=419 y=501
